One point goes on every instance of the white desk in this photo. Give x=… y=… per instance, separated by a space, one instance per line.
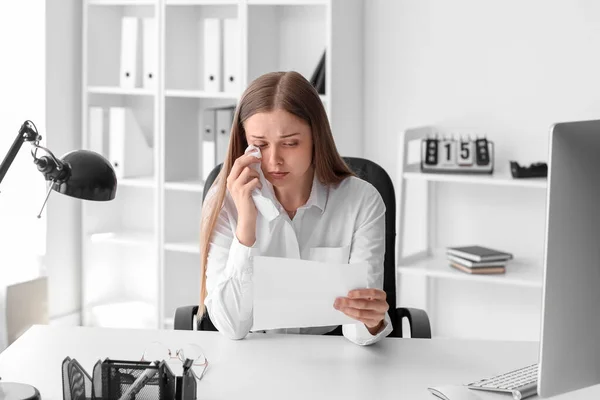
x=279 y=366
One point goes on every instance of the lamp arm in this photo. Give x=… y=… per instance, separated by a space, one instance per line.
x=59 y=165
x=27 y=133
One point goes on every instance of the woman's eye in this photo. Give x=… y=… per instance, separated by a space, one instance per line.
x=291 y=144
x=261 y=145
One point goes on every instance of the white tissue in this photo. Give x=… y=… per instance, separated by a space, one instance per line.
x=264 y=198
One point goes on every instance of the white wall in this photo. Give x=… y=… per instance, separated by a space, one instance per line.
x=63 y=123
x=22 y=97
x=507 y=69
x=40 y=75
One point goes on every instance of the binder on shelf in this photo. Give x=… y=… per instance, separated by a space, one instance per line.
x=318 y=77
x=96 y=130
x=130 y=52
x=129 y=152
x=149 y=52
x=208 y=142
x=231 y=55
x=224 y=119
x=212 y=55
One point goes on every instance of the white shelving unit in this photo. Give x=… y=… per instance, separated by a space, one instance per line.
x=428 y=263
x=141 y=251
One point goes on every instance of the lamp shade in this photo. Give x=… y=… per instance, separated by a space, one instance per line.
x=91 y=177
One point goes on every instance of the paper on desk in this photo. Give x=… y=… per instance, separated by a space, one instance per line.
x=292 y=293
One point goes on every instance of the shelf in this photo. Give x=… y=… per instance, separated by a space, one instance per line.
x=122 y=2
x=286 y=2
x=499 y=179
x=518 y=272
x=120 y=91
x=186 y=185
x=200 y=94
x=142 y=182
x=202 y=2
x=183 y=247
x=132 y=238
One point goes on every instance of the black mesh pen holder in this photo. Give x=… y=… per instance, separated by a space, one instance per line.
x=127 y=380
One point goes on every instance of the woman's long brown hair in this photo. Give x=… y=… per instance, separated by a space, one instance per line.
x=288 y=91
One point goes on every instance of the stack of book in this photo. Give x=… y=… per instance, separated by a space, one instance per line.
x=478 y=259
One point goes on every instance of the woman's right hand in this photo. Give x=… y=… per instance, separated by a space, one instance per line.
x=242 y=180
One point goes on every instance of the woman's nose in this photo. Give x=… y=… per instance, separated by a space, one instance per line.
x=275 y=156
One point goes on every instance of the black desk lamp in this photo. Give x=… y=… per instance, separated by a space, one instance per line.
x=82 y=174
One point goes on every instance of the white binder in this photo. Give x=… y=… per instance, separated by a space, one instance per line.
x=130 y=52
x=212 y=55
x=208 y=143
x=129 y=152
x=96 y=130
x=149 y=52
x=224 y=118
x=231 y=55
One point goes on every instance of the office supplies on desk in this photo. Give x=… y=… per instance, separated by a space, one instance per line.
x=461 y=392
x=535 y=170
x=520 y=383
x=448 y=155
x=286 y=295
x=18 y=391
x=121 y=379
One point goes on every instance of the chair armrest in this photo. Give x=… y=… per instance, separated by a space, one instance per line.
x=418 y=320
x=184 y=318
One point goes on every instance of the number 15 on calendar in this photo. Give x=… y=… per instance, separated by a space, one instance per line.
x=450 y=155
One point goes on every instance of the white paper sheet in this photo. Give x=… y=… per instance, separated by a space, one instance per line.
x=291 y=293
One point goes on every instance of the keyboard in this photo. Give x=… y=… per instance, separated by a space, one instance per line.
x=521 y=383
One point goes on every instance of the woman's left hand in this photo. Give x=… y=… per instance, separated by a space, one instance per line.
x=365 y=305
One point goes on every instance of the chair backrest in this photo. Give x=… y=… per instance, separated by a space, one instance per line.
x=379 y=178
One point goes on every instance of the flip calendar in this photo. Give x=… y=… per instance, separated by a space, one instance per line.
x=451 y=155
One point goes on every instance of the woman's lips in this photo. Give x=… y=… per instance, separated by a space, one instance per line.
x=278 y=175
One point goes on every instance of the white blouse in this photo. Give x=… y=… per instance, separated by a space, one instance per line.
x=344 y=224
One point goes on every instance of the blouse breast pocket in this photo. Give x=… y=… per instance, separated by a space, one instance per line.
x=339 y=255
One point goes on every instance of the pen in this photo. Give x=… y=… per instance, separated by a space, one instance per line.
x=139 y=383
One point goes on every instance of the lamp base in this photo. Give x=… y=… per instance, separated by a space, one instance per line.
x=18 y=391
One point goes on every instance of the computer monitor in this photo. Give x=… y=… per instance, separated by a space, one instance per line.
x=570 y=339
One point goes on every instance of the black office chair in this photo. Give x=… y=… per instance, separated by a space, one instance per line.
x=374 y=174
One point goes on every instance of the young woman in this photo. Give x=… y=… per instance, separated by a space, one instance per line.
x=325 y=213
